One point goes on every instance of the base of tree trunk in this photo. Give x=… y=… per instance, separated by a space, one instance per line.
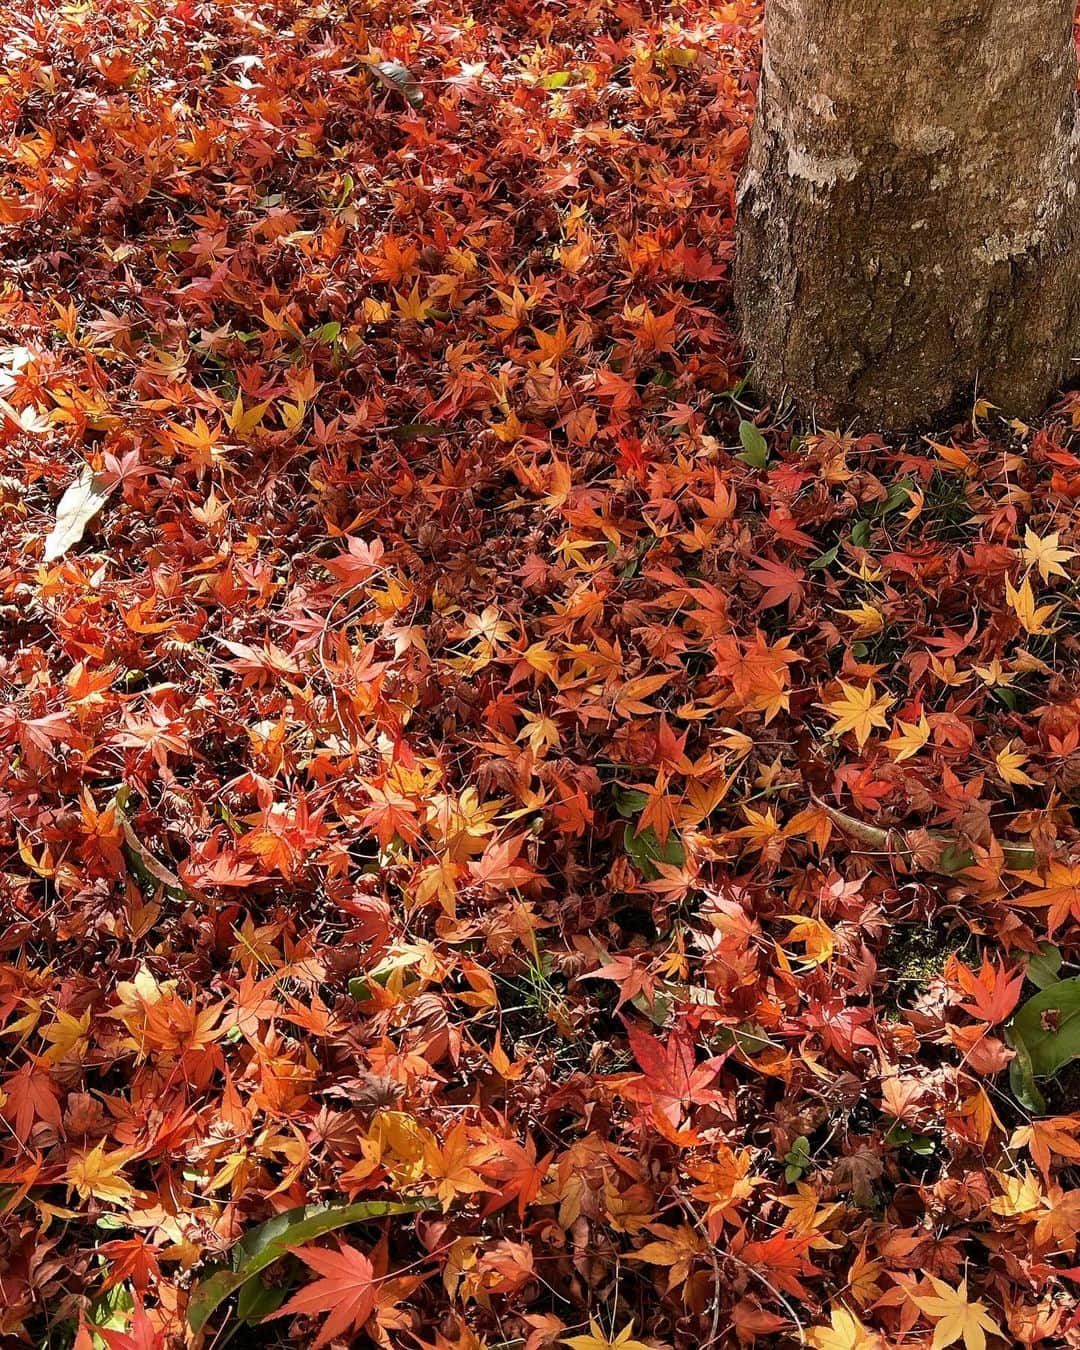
x=909 y=219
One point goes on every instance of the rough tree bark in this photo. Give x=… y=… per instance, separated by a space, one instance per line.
x=909 y=221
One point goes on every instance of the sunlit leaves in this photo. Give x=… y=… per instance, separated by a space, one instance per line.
x=844 y=1332
x=345 y=1290
x=596 y=1339
x=859 y=711
x=74 y=512
x=1045 y=555
x=1059 y=893
x=955 y=1316
x=1034 y=618
x=99 y=1175
x=908 y=738
x=478 y=759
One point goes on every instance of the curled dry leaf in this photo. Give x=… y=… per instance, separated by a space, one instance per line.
x=74 y=512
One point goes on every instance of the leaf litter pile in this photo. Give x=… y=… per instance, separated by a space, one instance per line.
x=505 y=843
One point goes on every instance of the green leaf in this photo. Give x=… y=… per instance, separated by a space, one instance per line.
x=1022 y=1081
x=1042 y=969
x=416 y=431
x=144 y=867
x=750 y=1039
x=799 y=1153
x=737 y=390
x=629 y=802
x=755 y=447
x=112 y=1311
x=798 y=1158
x=257 y=1300
x=826 y=560
x=271 y=1240
x=328 y=333
x=898 y=495
x=656 y=1011
x=558 y=79
x=645 y=850
x=1047 y=1026
x=860 y=534
x=955 y=858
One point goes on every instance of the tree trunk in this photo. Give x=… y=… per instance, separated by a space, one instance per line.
x=909 y=222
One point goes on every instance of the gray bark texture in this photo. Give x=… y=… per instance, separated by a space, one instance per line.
x=909 y=220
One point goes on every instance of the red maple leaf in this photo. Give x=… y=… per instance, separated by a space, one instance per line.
x=346 y=1290
x=993 y=992
x=672 y=1078
x=781 y=584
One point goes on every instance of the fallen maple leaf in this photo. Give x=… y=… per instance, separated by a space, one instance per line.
x=1045 y=555
x=1060 y=892
x=1033 y=618
x=910 y=739
x=859 y=711
x=97 y=1174
x=780 y=583
x=994 y=993
x=1009 y=763
x=346 y=1290
x=596 y=1340
x=955 y=1316
x=846 y=1332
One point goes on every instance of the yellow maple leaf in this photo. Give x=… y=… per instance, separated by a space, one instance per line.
x=1022 y=1194
x=1033 y=618
x=994 y=674
x=375 y=311
x=97 y=1174
x=806 y=1215
x=1045 y=1139
x=65 y=1035
x=845 y=1333
x=1045 y=555
x=763 y=827
x=292 y=414
x=910 y=739
x=596 y=1340
x=1008 y=763
x=859 y=711
x=675 y=1248
x=818 y=938
x=243 y=420
x=867 y=619
x=540 y=731
x=550 y=347
x=862 y=1278
x=451 y=1167
x=202 y=441
x=412 y=306
x=957 y=1318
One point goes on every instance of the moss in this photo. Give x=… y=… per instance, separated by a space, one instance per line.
x=916 y=952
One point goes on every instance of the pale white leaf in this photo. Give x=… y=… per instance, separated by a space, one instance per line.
x=75 y=510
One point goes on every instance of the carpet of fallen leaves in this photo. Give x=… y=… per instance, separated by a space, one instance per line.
x=475 y=758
